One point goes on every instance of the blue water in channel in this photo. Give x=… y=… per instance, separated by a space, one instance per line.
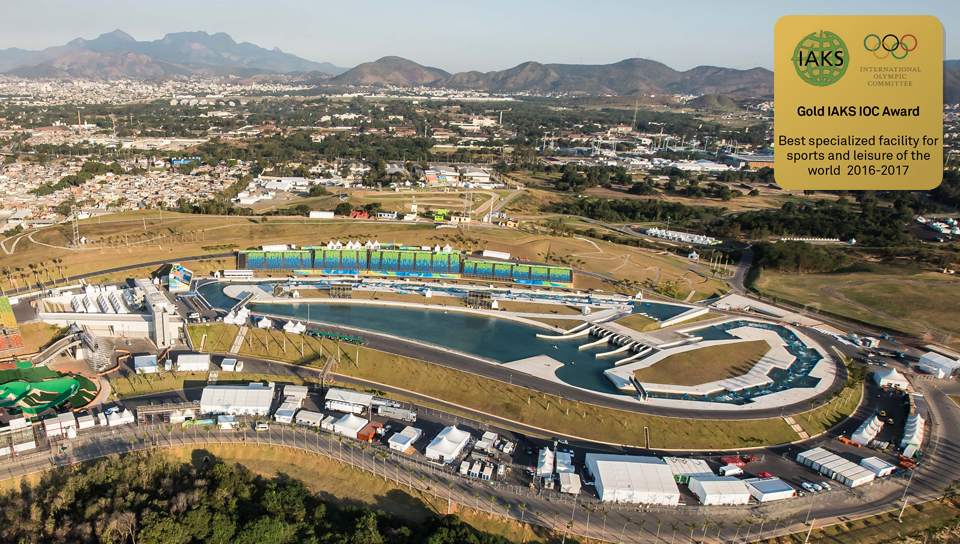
x=504 y=341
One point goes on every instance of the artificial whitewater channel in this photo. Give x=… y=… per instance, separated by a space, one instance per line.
x=504 y=341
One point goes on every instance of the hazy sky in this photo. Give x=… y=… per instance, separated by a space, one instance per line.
x=457 y=35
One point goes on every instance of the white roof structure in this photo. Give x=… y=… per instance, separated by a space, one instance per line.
x=145 y=364
x=913 y=431
x=253 y=399
x=286 y=411
x=769 y=489
x=836 y=467
x=265 y=323
x=564 y=463
x=345 y=395
x=570 y=483
x=448 y=444
x=121 y=418
x=294 y=328
x=633 y=479
x=934 y=359
x=308 y=418
x=890 y=378
x=878 y=466
x=193 y=362
x=683 y=468
x=349 y=425
x=295 y=393
x=404 y=439
x=545 y=463
x=719 y=490
x=867 y=431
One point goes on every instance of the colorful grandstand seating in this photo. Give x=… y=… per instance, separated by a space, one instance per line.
x=539 y=273
x=521 y=272
x=407 y=261
x=291 y=260
x=502 y=271
x=7 y=319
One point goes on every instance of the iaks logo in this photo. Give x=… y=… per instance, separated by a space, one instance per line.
x=821 y=58
x=890 y=45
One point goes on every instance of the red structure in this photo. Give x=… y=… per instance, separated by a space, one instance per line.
x=357 y=214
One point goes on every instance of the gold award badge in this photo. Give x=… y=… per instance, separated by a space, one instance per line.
x=858 y=102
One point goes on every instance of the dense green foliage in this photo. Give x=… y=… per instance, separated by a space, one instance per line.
x=623 y=210
x=948 y=191
x=873 y=224
x=146 y=499
x=798 y=257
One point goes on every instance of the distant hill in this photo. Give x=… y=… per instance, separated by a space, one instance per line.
x=952 y=63
x=391 y=71
x=951 y=85
x=713 y=102
x=624 y=77
x=117 y=54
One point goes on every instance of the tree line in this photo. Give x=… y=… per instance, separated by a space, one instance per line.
x=145 y=498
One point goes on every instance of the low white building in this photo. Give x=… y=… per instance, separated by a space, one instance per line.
x=448 y=444
x=930 y=361
x=254 y=399
x=769 y=489
x=878 y=466
x=146 y=364
x=719 y=490
x=121 y=418
x=193 y=362
x=60 y=425
x=404 y=440
x=633 y=479
x=231 y=365
x=307 y=418
x=570 y=483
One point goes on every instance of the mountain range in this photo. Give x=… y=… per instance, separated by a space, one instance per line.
x=118 y=55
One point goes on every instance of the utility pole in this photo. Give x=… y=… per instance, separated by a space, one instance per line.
x=904 y=498
x=805 y=540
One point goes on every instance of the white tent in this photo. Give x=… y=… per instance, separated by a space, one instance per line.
x=294 y=328
x=867 y=431
x=349 y=425
x=545 y=463
x=253 y=399
x=448 y=444
x=265 y=323
x=769 y=489
x=890 y=378
x=913 y=431
x=719 y=490
x=564 y=463
x=933 y=360
x=633 y=479
x=569 y=483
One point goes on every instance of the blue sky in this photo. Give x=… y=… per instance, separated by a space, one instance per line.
x=458 y=35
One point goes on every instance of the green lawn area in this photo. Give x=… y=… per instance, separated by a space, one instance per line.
x=137 y=385
x=705 y=365
x=549 y=412
x=639 y=323
x=956 y=399
x=927 y=306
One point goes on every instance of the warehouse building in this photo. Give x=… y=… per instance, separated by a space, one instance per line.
x=633 y=479
x=293 y=397
x=939 y=365
x=719 y=490
x=448 y=445
x=63 y=425
x=254 y=399
x=836 y=467
x=769 y=489
x=570 y=483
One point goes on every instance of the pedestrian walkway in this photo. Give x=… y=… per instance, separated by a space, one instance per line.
x=796 y=428
x=238 y=341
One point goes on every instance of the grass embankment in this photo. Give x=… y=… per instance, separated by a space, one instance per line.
x=137 y=385
x=549 y=412
x=843 y=403
x=38 y=335
x=639 y=323
x=921 y=301
x=917 y=525
x=705 y=365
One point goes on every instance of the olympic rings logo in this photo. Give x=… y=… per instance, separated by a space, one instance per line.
x=890 y=47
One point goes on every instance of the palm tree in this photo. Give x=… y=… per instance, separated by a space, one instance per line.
x=659 y=523
x=604 y=514
x=555 y=514
x=706 y=525
x=674 y=527
x=693 y=527
x=720 y=527
x=640 y=529
x=588 y=509
x=628 y=522
x=763 y=520
x=477 y=496
x=493 y=503
x=750 y=524
x=739 y=525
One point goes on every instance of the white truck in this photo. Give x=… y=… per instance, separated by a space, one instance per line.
x=397 y=413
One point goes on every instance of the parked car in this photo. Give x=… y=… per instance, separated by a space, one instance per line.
x=825 y=485
x=764 y=475
x=883 y=413
x=807 y=486
x=817 y=487
x=262 y=427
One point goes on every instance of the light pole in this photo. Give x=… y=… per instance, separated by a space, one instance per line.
x=904 y=498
